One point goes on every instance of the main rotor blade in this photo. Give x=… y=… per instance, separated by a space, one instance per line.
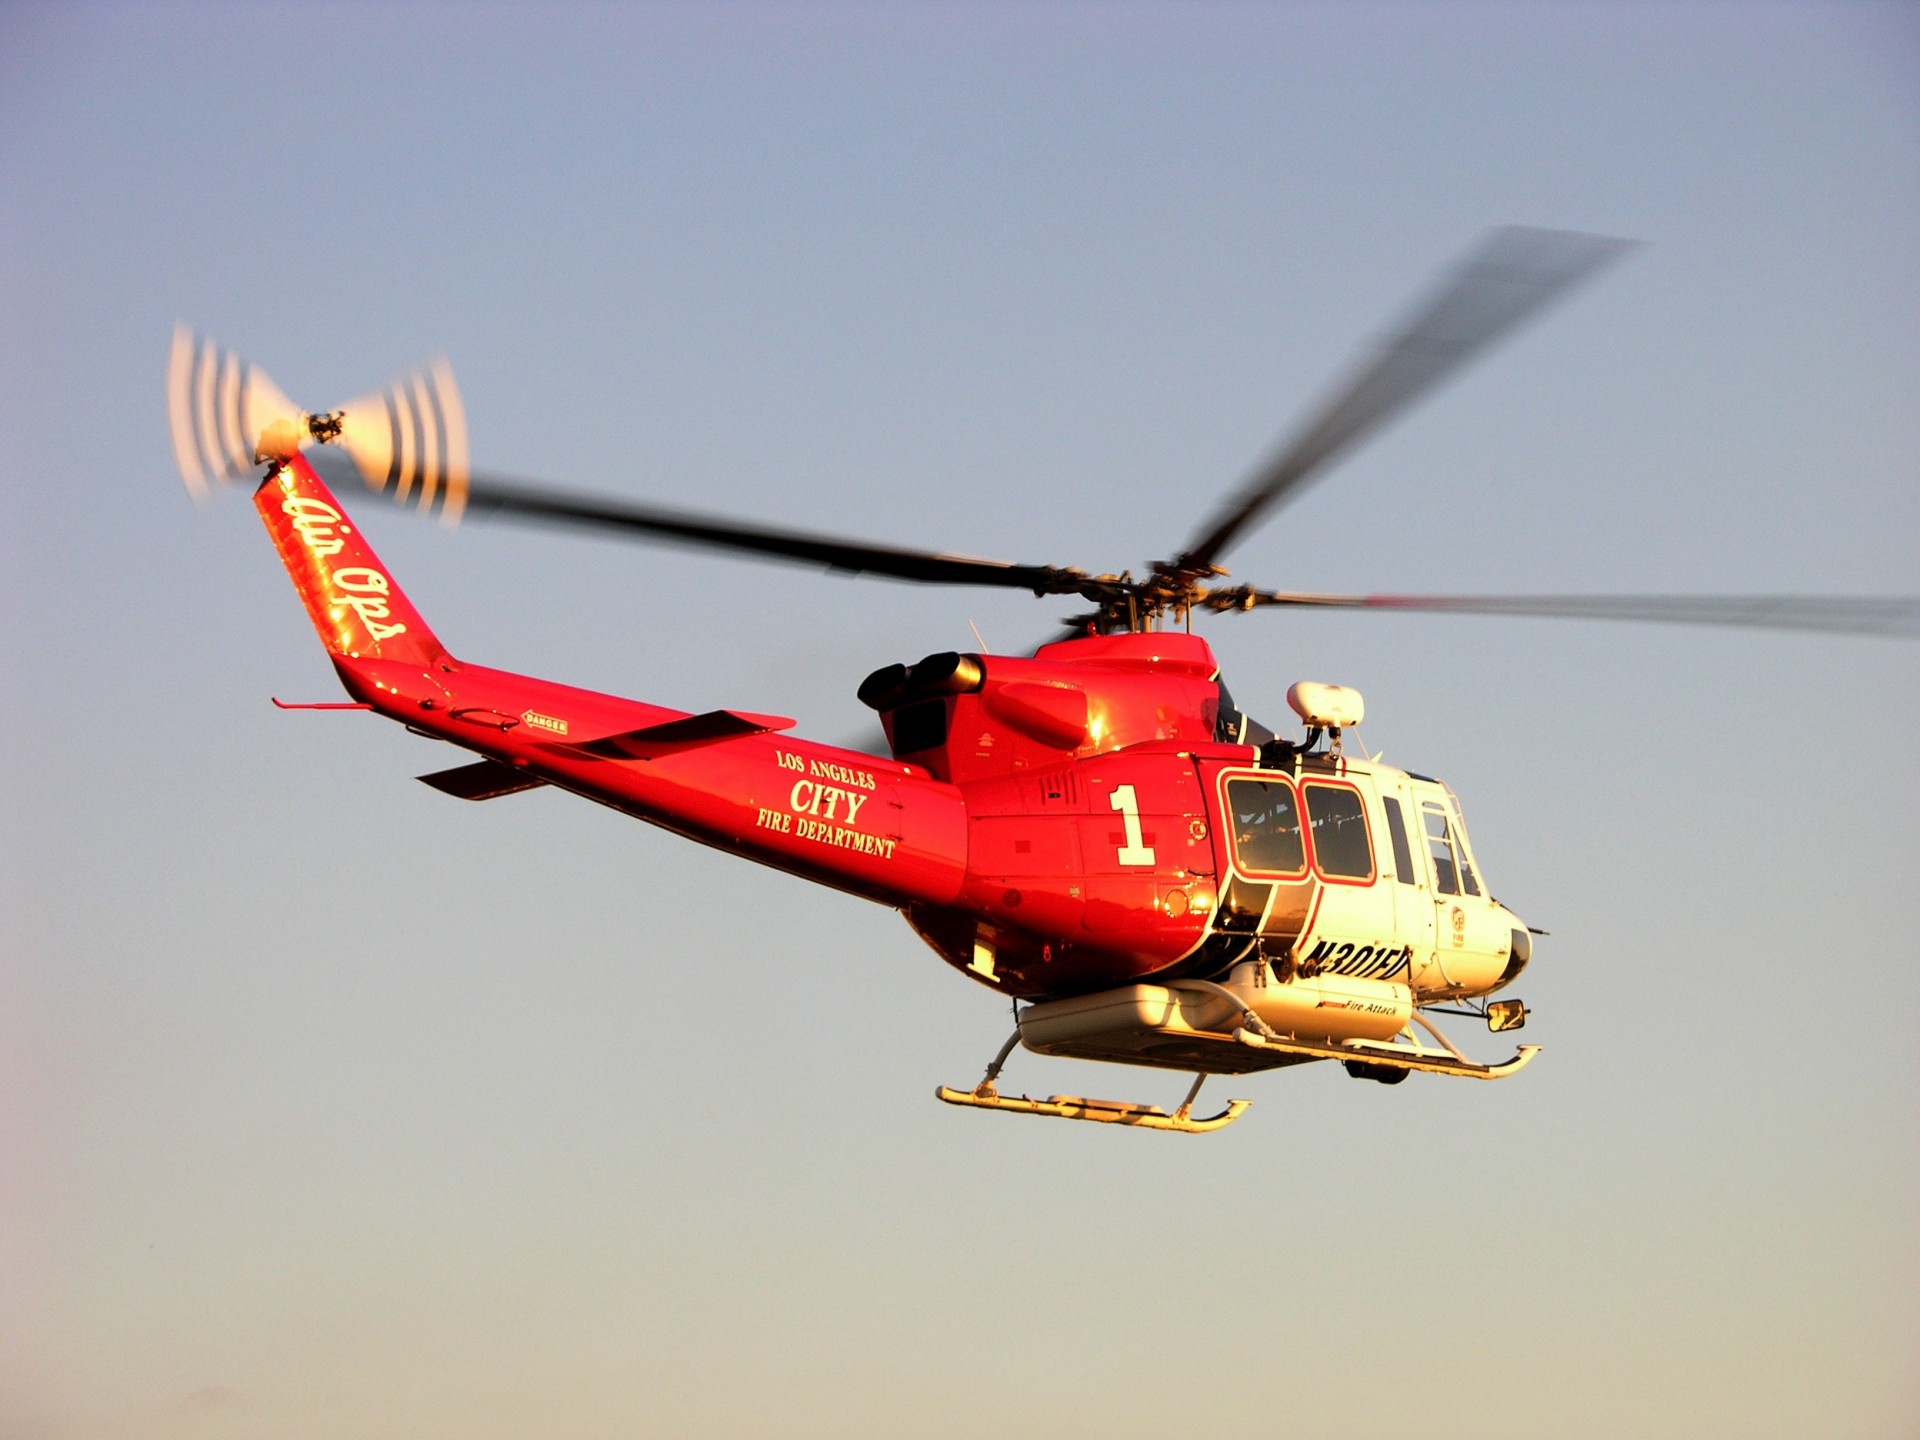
x=1890 y=615
x=518 y=500
x=1512 y=276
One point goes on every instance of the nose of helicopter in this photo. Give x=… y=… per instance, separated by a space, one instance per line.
x=1520 y=948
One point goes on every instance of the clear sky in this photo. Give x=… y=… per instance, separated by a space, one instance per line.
x=330 y=1105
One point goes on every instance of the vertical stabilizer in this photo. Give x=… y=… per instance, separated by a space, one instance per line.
x=358 y=610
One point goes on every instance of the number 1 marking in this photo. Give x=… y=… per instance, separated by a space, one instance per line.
x=1133 y=852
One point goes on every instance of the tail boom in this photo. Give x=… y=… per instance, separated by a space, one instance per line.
x=872 y=827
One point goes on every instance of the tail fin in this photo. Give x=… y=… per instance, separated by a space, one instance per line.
x=360 y=613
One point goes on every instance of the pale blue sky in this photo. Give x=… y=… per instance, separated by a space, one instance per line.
x=330 y=1105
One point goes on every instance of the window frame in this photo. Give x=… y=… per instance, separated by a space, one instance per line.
x=1228 y=815
x=1372 y=876
x=1445 y=812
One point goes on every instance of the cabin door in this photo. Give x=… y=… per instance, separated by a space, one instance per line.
x=1403 y=868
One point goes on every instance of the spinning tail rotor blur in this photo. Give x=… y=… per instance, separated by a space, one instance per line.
x=408 y=440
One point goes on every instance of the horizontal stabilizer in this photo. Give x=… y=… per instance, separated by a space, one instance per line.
x=693 y=730
x=482 y=780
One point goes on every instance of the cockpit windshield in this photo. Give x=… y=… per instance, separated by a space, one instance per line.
x=1467 y=876
x=1446 y=844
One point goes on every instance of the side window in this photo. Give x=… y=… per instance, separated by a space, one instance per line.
x=1402 y=851
x=1341 y=847
x=1446 y=874
x=1266 y=827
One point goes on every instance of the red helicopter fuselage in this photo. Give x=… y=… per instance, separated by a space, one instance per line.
x=1052 y=825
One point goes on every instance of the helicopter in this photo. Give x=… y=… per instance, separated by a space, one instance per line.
x=1094 y=831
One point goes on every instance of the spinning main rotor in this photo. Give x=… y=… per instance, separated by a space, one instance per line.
x=408 y=442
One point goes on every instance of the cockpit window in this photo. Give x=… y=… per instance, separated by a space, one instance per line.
x=1266 y=827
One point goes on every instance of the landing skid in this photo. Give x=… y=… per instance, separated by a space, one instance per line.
x=1101 y=1112
x=1394 y=1056
x=1214 y=1052
x=1078 y=1107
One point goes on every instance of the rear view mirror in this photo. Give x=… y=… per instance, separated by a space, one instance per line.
x=1506 y=1015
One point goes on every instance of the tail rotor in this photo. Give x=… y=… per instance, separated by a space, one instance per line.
x=219 y=407
x=227 y=418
